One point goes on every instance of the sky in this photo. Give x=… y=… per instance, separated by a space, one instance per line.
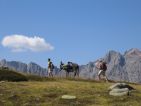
x=67 y=30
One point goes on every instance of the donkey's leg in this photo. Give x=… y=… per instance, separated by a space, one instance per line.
x=78 y=73
x=75 y=73
x=66 y=74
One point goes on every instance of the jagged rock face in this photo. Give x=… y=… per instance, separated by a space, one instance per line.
x=17 y=66
x=115 y=62
x=88 y=71
x=133 y=65
x=133 y=53
x=125 y=67
x=31 y=68
x=14 y=65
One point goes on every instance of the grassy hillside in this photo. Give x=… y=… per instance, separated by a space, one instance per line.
x=48 y=93
x=10 y=75
x=7 y=74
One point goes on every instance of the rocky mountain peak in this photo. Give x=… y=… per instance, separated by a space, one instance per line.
x=113 y=57
x=133 y=52
x=32 y=63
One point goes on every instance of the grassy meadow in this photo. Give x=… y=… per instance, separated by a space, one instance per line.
x=49 y=92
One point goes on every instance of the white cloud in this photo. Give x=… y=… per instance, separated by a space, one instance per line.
x=19 y=43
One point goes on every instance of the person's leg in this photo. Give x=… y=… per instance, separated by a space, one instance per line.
x=106 y=78
x=104 y=75
x=99 y=74
x=52 y=74
x=78 y=73
x=67 y=73
x=75 y=72
x=49 y=72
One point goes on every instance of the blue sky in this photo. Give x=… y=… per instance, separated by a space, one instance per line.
x=79 y=30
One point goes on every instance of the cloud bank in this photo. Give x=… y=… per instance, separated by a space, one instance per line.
x=20 y=43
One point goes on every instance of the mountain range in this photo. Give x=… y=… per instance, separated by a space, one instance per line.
x=121 y=67
x=31 y=68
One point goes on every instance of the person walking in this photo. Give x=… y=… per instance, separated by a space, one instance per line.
x=50 y=68
x=101 y=65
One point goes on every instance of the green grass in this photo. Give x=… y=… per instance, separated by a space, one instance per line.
x=42 y=91
x=7 y=74
x=10 y=75
x=49 y=92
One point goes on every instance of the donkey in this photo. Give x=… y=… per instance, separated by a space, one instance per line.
x=70 y=67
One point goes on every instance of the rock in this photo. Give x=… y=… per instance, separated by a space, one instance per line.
x=120 y=89
x=1 y=94
x=120 y=86
x=68 y=97
x=2 y=82
x=119 y=92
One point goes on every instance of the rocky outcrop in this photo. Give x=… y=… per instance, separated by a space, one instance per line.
x=120 y=89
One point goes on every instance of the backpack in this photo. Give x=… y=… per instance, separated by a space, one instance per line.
x=52 y=66
x=103 y=66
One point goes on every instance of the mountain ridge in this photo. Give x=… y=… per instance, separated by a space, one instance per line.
x=121 y=67
x=30 y=68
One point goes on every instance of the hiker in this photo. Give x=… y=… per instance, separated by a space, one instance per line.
x=101 y=65
x=50 y=68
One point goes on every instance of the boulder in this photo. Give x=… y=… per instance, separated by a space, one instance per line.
x=119 y=92
x=120 y=86
x=120 y=89
x=68 y=97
